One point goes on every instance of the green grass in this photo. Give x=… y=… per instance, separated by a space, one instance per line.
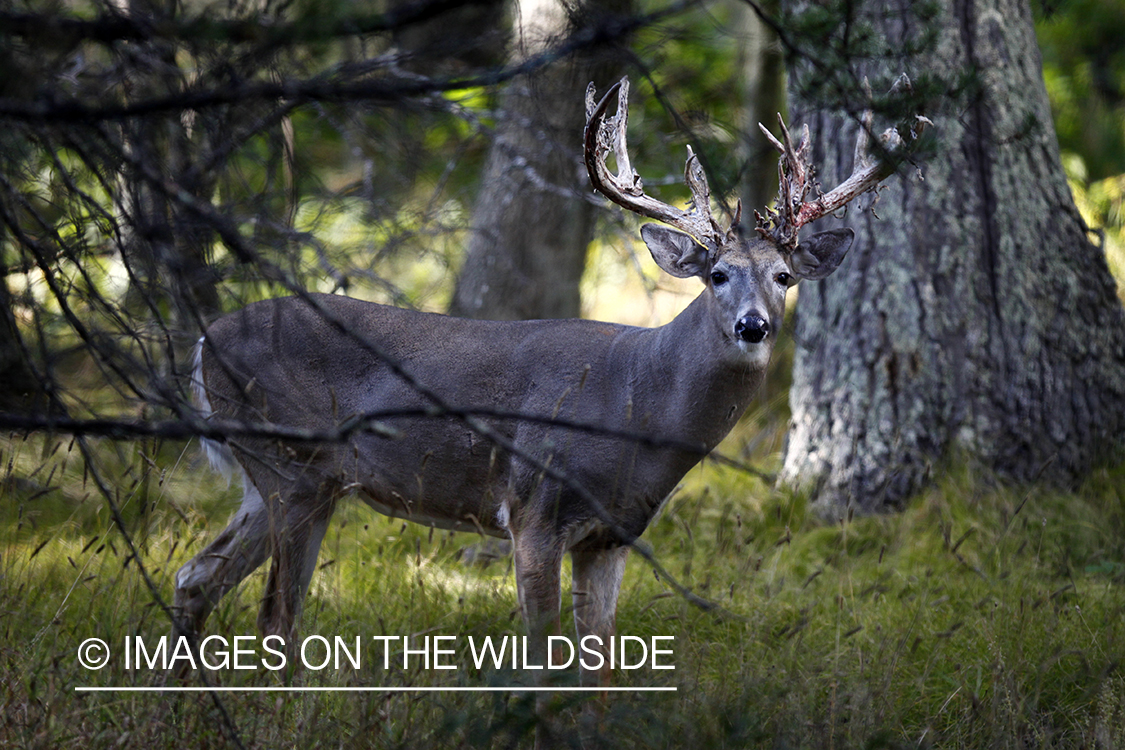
x=981 y=616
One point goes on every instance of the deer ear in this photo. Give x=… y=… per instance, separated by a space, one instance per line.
x=819 y=255
x=675 y=252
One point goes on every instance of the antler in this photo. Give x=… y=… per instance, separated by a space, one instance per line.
x=625 y=188
x=795 y=174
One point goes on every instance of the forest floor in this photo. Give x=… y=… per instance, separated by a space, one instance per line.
x=980 y=616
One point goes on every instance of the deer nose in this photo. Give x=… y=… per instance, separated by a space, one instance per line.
x=752 y=328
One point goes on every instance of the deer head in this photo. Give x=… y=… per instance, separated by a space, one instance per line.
x=746 y=277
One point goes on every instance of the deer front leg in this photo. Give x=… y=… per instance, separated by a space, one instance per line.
x=597 y=575
x=537 y=556
x=596 y=584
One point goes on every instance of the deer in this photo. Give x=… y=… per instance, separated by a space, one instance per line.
x=564 y=436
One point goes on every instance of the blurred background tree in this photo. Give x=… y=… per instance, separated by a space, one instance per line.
x=533 y=217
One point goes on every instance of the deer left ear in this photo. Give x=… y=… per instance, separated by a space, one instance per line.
x=819 y=255
x=675 y=252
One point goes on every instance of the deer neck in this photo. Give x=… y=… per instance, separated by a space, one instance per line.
x=703 y=380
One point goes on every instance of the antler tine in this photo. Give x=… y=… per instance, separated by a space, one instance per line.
x=620 y=150
x=795 y=173
x=794 y=181
x=625 y=188
x=776 y=143
x=696 y=180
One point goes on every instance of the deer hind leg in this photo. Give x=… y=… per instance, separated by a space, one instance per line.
x=301 y=520
x=235 y=553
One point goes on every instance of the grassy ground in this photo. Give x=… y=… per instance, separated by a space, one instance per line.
x=982 y=616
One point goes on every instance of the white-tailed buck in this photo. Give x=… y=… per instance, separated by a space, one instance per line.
x=476 y=425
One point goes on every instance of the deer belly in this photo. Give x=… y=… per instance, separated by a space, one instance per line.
x=435 y=482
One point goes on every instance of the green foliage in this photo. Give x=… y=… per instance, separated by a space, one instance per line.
x=675 y=107
x=1083 y=48
x=1102 y=204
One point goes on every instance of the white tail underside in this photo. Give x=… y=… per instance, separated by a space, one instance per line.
x=218 y=454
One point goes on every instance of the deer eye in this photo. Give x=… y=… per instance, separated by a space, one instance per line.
x=784 y=279
x=718 y=277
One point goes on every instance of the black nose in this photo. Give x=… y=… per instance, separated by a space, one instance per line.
x=752 y=328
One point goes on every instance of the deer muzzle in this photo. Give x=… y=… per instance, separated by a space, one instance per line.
x=752 y=328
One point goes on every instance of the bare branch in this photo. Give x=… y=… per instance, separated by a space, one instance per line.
x=110 y=28
x=338 y=85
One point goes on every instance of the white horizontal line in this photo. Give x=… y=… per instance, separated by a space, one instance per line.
x=454 y=689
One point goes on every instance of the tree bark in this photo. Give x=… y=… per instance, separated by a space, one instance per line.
x=533 y=221
x=974 y=317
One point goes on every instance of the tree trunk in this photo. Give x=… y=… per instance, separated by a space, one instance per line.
x=533 y=220
x=974 y=316
x=19 y=388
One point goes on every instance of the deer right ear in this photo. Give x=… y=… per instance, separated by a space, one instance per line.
x=819 y=255
x=675 y=252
